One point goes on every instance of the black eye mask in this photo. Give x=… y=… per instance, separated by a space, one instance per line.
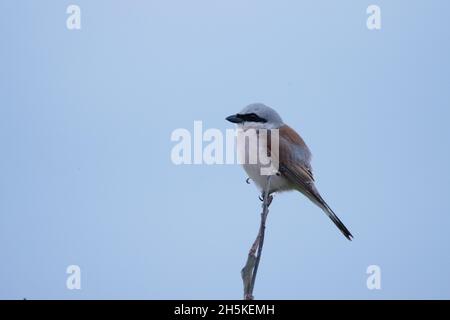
x=251 y=117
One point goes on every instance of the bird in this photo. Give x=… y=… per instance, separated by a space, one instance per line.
x=294 y=172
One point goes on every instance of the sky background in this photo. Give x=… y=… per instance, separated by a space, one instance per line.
x=87 y=179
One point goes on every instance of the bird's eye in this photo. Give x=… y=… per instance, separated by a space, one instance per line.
x=255 y=118
x=252 y=117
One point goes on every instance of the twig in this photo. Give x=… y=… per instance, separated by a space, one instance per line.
x=250 y=269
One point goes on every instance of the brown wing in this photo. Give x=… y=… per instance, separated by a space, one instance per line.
x=294 y=157
x=292 y=151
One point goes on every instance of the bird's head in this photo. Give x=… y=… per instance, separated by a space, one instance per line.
x=256 y=116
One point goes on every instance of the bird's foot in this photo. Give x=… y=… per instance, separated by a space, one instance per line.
x=269 y=198
x=247 y=180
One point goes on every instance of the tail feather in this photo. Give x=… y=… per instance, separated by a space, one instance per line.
x=318 y=200
x=311 y=192
x=337 y=221
x=303 y=181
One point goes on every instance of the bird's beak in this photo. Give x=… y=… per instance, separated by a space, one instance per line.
x=235 y=118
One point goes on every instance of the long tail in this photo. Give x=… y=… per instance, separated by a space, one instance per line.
x=315 y=197
x=304 y=182
x=330 y=213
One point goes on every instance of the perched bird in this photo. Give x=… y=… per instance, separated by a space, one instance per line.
x=293 y=155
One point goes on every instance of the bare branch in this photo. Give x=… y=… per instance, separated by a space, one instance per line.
x=250 y=269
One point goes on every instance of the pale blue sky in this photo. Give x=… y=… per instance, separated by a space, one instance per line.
x=86 y=176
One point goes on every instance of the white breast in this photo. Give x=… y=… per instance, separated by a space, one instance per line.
x=245 y=149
